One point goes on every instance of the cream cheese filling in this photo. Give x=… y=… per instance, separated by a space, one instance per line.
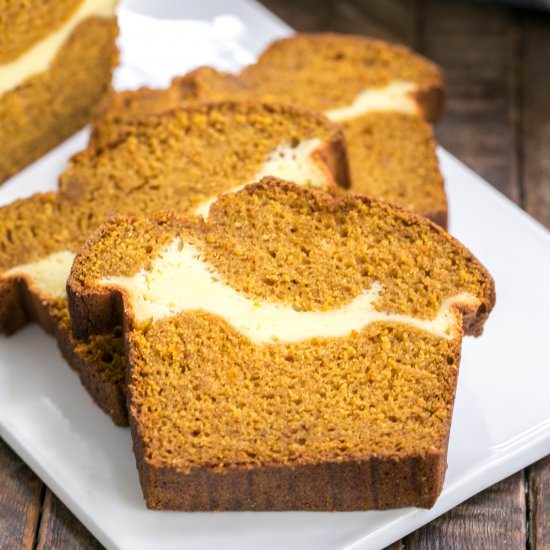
x=47 y=276
x=297 y=163
x=289 y=162
x=180 y=280
x=39 y=57
x=396 y=96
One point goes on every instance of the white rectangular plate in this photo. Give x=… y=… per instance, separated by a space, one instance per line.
x=502 y=414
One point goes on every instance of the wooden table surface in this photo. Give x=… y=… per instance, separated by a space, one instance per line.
x=497 y=65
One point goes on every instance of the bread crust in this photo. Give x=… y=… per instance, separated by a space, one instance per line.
x=374 y=483
x=109 y=396
x=12 y=313
x=432 y=101
x=333 y=157
x=20 y=304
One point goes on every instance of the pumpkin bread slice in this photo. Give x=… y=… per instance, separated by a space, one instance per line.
x=180 y=160
x=297 y=350
x=383 y=95
x=56 y=61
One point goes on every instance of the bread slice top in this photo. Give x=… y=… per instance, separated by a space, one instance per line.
x=331 y=72
x=290 y=327
x=190 y=155
x=328 y=72
x=380 y=93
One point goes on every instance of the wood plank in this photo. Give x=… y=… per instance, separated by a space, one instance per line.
x=396 y=546
x=303 y=15
x=477 y=47
x=539 y=505
x=494 y=519
x=20 y=501
x=535 y=133
x=60 y=530
x=393 y=20
x=535 y=121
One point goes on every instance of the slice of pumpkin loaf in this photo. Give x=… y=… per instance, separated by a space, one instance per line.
x=295 y=351
x=56 y=60
x=382 y=95
x=180 y=160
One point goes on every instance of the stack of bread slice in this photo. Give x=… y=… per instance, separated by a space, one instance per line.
x=277 y=345
x=383 y=96
x=180 y=160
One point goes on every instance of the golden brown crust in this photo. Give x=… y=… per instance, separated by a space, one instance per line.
x=333 y=156
x=49 y=107
x=19 y=304
x=440 y=217
x=371 y=484
x=432 y=101
x=12 y=314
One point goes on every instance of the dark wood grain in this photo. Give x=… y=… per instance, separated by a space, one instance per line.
x=20 y=500
x=304 y=16
x=394 y=20
x=492 y=520
x=535 y=173
x=539 y=505
x=60 y=530
x=477 y=47
x=535 y=123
